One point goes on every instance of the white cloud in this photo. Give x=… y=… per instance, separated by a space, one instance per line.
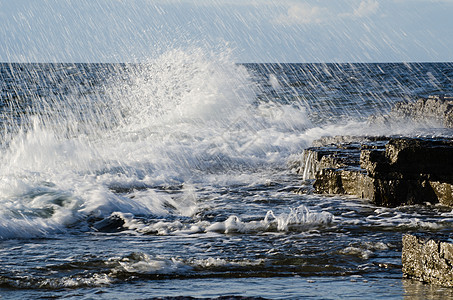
x=366 y=8
x=302 y=13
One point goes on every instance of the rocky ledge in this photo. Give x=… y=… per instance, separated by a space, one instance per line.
x=428 y=260
x=389 y=171
x=436 y=110
x=394 y=171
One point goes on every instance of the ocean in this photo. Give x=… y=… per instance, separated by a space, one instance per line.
x=176 y=178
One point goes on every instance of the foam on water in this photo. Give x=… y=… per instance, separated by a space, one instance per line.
x=161 y=124
x=297 y=219
x=145 y=143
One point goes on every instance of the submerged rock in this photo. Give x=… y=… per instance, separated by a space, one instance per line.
x=114 y=223
x=427 y=260
x=388 y=171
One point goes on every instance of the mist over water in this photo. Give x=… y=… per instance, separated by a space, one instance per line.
x=181 y=167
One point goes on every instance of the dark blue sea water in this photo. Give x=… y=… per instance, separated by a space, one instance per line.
x=177 y=177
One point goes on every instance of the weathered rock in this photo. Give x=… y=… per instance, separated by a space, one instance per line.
x=443 y=191
x=411 y=171
x=395 y=192
x=342 y=181
x=389 y=171
x=431 y=110
x=427 y=260
x=428 y=158
x=337 y=152
x=392 y=172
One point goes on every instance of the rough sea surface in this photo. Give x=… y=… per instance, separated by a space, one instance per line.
x=177 y=177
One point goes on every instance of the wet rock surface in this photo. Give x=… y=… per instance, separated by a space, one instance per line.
x=390 y=171
x=428 y=260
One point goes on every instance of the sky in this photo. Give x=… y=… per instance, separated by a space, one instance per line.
x=255 y=30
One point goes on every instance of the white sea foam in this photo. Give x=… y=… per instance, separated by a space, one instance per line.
x=186 y=120
x=365 y=250
x=184 y=114
x=220 y=262
x=298 y=219
x=144 y=264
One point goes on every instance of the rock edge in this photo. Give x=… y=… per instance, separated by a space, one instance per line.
x=427 y=260
x=388 y=171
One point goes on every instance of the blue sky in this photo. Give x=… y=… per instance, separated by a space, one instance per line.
x=256 y=30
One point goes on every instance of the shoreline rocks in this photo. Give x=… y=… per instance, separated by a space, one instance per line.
x=395 y=171
x=427 y=260
x=388 y=171
x=432 y=110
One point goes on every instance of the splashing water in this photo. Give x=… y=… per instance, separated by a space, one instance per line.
x=180 y=168
x=189 y=120
x=165 y=123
